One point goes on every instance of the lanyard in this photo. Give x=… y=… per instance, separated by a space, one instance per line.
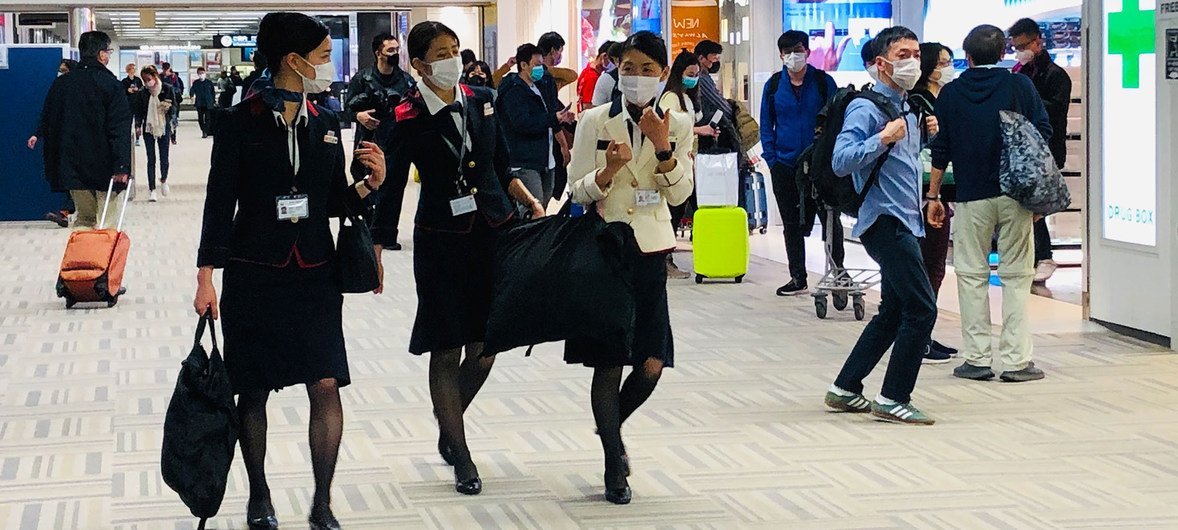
x=460 y=151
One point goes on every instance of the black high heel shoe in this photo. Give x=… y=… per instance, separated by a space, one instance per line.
x=619 y=494
x=323 y=522
x=265 y=522
x=468 y=486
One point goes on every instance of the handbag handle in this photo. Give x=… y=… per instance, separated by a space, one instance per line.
x=206 y=319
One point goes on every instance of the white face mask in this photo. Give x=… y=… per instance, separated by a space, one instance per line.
x=324 y=75
x=639 y=90
x=873 y=71
x=948 y=74
x=201 y=76
x=905 y=73
x=446 y=72
x=1025 y=56
x=795 y=62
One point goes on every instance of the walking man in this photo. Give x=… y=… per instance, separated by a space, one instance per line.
x=205 y=96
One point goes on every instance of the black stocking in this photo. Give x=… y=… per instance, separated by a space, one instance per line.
x=327 y=426
x=446 y=394
x=473 y=373
x=251 y=409
x=639 y=386
x=604 y=396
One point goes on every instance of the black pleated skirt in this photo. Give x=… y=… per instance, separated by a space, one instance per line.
x=455 y=275
x=282 y=326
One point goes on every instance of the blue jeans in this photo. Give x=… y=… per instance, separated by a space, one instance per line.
x=906 y=316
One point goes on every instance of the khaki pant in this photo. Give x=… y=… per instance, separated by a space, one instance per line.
x=89 y=206
x=973 y=229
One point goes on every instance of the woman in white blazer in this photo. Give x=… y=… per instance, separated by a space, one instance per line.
x=630 y=161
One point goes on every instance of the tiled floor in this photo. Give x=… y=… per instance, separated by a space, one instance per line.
x=736 y=435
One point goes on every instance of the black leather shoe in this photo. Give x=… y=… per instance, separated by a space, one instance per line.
x=323 y=522
x=446 y=451
x=265 y=522
x=619 y=496
x=473 y=486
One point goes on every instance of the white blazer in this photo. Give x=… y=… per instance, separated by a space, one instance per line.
x=596 y=128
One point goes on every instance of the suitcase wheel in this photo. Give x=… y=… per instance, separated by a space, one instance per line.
x=820 y=307
x=699 y=278
x=740 y=279
x=764 y=230
x=112 y=302
x=860 y=310
x=70 y=302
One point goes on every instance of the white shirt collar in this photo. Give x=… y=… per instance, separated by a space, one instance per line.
x=300 y=119
x=435 y=103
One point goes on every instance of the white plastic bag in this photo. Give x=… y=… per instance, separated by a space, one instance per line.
x=717 y=180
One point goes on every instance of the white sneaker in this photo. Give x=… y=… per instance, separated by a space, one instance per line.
x=164 y=188
x=1045 y=270
x=151 y=197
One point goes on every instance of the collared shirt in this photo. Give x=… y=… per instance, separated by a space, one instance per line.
x=858 y=148
x=436 y=105
x=292 y=132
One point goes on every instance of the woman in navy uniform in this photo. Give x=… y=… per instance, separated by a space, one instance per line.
x=631 y=161
x=278 y=161
x=450 y=133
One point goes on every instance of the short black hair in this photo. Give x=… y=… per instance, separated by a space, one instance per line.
x=200 y=69
x=166 y=66
x=985 y=44
x=792 y=38
x=468 y=56
x=283 y=33
x=615 y=51
x=524 y=53
x=605 y=48
x=93 y=42
x=550 y=41
x=708 y=47
x=379 y=40
x=423 y=34
x=649 y=44
x=1025 y=27
x=886 y=38
x=868 y=53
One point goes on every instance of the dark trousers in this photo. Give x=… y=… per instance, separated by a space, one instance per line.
x=165 y=146
x=798 y=217
x=935 y=249
x=202 y=117
x=906 y=316
x=1043 y=250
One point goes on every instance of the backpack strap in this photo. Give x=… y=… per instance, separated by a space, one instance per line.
x=891 y=113
x=773 y=84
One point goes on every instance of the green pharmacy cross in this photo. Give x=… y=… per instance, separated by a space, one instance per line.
x=1131 y=34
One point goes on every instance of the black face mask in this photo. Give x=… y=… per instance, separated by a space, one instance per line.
x=715 y=68
x=476 y=80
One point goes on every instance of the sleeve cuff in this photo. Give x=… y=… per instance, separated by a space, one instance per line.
x=670 y=179
x=215 y=257
x=595 y=192
x=875 y=145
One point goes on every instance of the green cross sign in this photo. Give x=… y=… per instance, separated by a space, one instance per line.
x=1131 y=34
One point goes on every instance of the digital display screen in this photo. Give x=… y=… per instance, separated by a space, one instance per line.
x=838 y=29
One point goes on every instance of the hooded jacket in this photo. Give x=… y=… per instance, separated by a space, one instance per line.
x=971 y=136
x=526 y=122
x=86 y=124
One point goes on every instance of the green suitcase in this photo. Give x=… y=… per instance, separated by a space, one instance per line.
x=720 y=238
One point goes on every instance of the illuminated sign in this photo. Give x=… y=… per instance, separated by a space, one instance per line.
x=1129 y=165
x=235 y=41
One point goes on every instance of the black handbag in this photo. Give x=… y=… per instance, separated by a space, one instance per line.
x=200 y=429
x=356 y=266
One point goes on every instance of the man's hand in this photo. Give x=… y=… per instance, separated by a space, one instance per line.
x=566 y=116
x=510 y=62
x=538 y=210
x=936 y=214
x=32 y=143
x=932 y=125
x=894 y=131
x=657 y=130
x=372 y=157
x=706 y=131
x=365 y=118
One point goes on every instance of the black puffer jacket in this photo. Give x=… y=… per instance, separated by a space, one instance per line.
x=86 y=124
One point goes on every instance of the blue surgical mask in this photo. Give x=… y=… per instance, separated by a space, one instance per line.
x=537 y=72
x=690 y=82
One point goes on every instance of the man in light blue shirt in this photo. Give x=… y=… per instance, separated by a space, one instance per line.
x=890 y=223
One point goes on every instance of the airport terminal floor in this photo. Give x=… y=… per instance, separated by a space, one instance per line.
x=736 y=436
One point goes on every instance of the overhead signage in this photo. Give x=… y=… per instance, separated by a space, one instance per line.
x=235 y=41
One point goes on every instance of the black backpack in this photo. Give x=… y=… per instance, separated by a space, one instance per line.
x=815 y=174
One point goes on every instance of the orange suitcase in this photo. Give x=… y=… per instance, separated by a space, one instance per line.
x=92 y=269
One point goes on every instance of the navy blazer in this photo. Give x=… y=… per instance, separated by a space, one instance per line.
x=420 y=138
x=251 y=168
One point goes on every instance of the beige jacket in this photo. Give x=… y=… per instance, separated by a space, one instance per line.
x=618 y=201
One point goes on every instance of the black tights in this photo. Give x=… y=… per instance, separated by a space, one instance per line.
x=613 y=406
x=453 y=384
x=325 y=432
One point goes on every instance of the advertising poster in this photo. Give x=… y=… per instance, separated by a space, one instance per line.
x=838 y=29
x=693 y=21
x=614 y=20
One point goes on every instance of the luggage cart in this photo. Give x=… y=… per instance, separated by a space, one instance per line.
x=840 y=284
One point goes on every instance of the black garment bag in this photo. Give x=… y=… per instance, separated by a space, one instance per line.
x=200 y=429
x=561 y=277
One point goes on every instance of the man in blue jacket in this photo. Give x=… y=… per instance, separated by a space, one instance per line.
x=529 y=125
x=971 y=138
x=789 y=112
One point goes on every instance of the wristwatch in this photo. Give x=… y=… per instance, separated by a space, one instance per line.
x=664 y=156
x=368 y=185
x=933 y=197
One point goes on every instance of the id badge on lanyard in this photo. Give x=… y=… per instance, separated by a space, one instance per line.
x=293 y=207
x=464 y=203
x=647 y=197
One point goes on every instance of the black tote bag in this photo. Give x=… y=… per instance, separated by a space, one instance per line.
x=561 y=278
x=356 y=266
x=200 y=429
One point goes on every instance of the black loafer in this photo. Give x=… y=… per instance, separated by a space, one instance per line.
x=473 y=486
x=265 y=522
x=619 y=496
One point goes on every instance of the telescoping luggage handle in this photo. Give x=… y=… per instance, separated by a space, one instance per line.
x=110 y=188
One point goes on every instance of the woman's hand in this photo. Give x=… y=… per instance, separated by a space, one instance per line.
x=617 y=155
x=379 y=269
x=206 y=294
x=372 y=157
x=656 y=129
